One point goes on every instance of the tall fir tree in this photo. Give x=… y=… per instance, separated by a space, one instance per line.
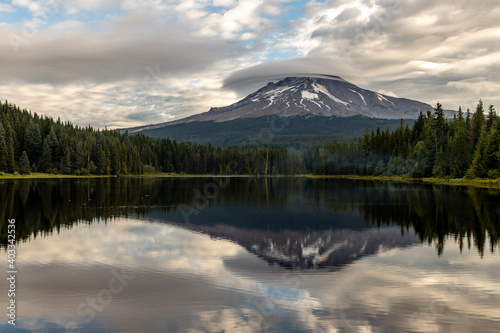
x=441 y=125
x=10 y=156
x=45 y=163
x=458 y=153
x=3 y=155
x=66 y=160
x=492 y=116
x=32 y=141
x=478 y=123
x=24 y=164
x=460 y=116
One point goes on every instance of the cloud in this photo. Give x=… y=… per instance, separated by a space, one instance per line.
x=401 y=46
x=135 y=64
x=155 y=62
x=254 y=77
x=6 y=8
x=414 y=49
x=171 y=58
x=67 y=52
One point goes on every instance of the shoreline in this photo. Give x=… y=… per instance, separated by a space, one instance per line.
x=488 y=183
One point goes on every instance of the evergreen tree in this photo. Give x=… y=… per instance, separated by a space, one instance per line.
x=45 y=163
x=427 y=154
x=66 y=161
x=491 y=150
x=24 y=164
x=468 y=128
x=9 y=142
x=54 y=147
x=3 y=155
x=319 y=163
x=460 y=116
x=441 y=167
x=441 y=126
x=492 y=116
x=418 y=161
x=478 y=123
x=458 y=153
x=478 y=167
x=32 y=140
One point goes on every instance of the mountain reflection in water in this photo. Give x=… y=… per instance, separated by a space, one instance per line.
x=295 y=222
x=284 y=254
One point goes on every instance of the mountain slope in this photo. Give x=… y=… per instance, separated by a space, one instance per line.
x=297 y=132
x=307 y=96
x=318 y=97
x=326 y=107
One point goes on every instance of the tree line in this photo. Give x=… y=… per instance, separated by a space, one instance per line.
x=468 y=145
x=33 y=143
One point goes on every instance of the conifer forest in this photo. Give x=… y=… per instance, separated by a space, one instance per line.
x=467 y=145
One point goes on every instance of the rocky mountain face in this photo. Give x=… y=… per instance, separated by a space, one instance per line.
x=319 y=97
x=328 y=96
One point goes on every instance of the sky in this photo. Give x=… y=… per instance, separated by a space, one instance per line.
x=123 y=63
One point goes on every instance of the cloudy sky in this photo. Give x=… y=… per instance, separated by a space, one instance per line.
x=121 y=63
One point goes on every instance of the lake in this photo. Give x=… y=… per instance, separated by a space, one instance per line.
x=250 y=255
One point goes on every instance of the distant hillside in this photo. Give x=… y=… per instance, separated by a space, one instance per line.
x=298 y=132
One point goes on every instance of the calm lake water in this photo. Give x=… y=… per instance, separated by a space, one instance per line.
x=250 y=255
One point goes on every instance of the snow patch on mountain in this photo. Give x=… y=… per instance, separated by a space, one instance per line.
x=309 y=95
x=362 y=98
x=381 y=97
x=322 y=89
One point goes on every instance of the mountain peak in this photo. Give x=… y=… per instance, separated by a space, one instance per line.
x=318 y=95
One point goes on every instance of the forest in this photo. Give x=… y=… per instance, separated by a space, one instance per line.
x=466 y=145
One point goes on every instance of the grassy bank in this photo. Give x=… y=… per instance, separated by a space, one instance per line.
x=489 y=183
x=442 y=181
x=39 y=175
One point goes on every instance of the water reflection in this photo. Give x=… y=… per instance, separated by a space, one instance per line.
x=304 y=207
x=185 y=281
x=356 y=253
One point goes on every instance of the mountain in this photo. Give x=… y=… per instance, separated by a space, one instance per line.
x=312 y=249
x=326 y=107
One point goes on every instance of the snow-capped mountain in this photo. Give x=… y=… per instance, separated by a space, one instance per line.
x=327 y=96
x=318 y=249
x=321 y=97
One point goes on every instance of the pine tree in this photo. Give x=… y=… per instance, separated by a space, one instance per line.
x=441 y=126
x=492 y=115
x=460 y=116
x=441 y=167
x=427 y=156
x=9 y=142
x=478 y=123
x=3 y=155
x=45 y=163
x=478 y=168
x=24 y=164
x=492 y=148
x=458 y=153
x=54 y=146
x=32 y=141
x=66 y=161
x=318 y=163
